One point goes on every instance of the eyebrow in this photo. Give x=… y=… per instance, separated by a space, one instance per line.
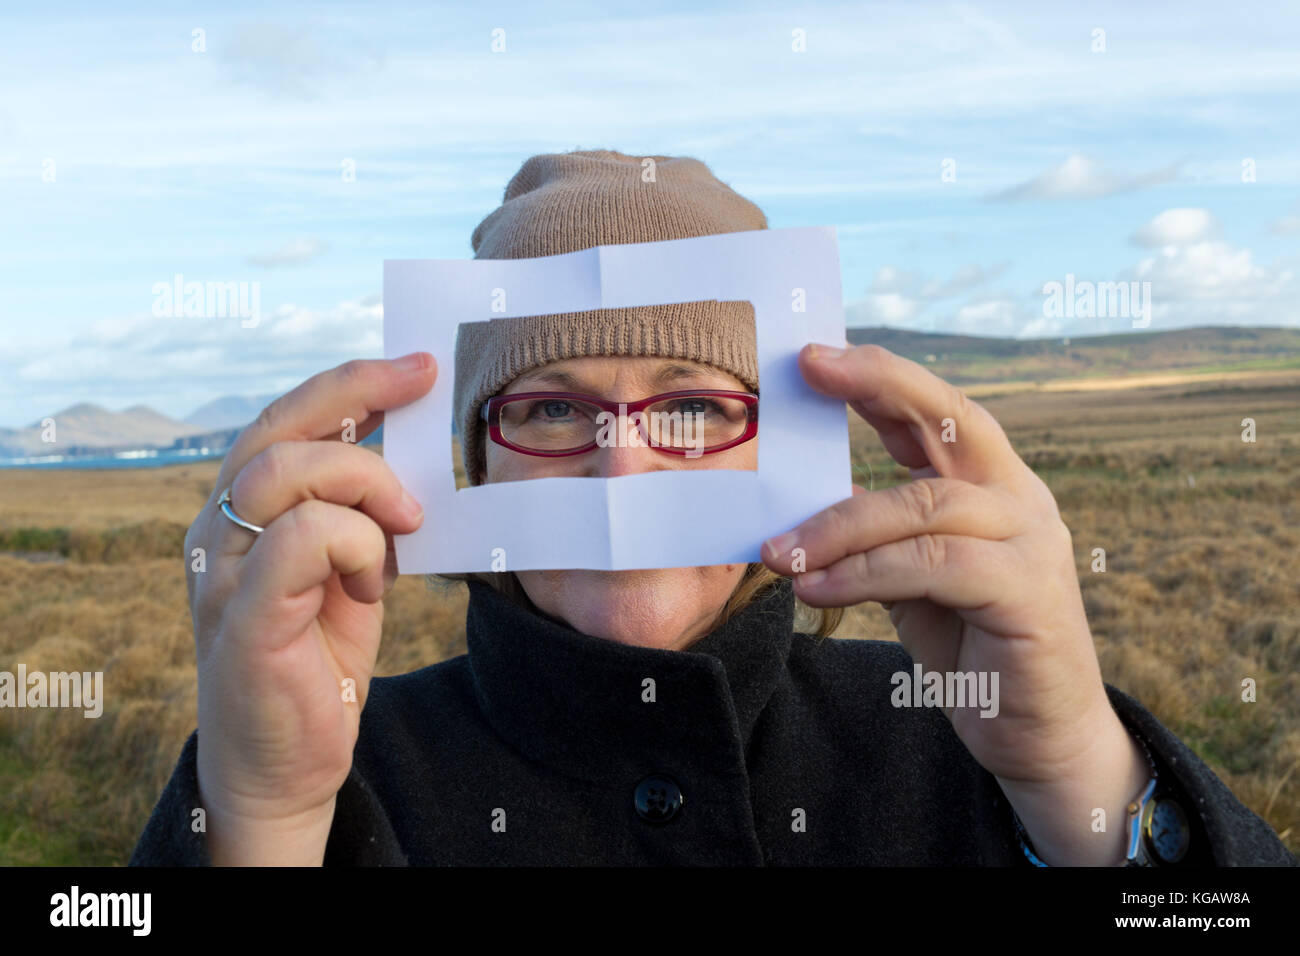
x=572 y=383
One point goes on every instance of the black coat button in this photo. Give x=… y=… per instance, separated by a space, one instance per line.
x=657 y=798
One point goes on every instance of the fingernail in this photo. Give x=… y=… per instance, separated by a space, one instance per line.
x=413 y=362
x=410 y=505
x=812 y=578
x=780 y=545
x=817 y=351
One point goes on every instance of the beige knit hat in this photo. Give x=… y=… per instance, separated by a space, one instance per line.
x=563 y=202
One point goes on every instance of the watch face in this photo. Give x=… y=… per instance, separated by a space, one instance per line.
x=1167 y=831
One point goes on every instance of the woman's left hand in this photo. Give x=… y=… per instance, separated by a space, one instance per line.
x=978 y=570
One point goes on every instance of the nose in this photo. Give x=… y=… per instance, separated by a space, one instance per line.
x=626 y=458
x=612 y=461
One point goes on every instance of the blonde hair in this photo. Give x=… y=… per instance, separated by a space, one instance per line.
x=758 y=577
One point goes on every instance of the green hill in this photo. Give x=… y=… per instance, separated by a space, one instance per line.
x=967 y=359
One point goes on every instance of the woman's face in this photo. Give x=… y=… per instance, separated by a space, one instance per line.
x=668 y=607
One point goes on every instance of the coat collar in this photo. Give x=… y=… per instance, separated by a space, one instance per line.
x=574 y=703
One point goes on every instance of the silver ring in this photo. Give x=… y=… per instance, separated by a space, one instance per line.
x=224 y=503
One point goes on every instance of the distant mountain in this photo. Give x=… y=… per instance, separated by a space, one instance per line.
x=970 y=359
x=229 y=411
x=86 y=425
x=86 y=430
x=237 y=411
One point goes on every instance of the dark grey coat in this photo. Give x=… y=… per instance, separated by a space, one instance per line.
x=529 y=750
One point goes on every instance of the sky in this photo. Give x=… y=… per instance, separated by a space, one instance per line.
x=968 y=154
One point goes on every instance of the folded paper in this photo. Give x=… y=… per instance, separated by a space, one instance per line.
x=658 y=519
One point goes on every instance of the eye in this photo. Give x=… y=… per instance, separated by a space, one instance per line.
x=554 y=408
x=697 y=406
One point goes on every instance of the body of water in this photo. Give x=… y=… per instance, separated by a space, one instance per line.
x=149 y=458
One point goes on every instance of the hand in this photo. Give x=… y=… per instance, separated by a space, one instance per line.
x=283 y=619
x=978 y=571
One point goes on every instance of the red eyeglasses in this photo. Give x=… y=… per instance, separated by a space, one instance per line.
x=555 y=424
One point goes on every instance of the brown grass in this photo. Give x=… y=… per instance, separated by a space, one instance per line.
x=1202 y=589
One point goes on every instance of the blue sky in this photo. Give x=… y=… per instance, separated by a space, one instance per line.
x=127 y=157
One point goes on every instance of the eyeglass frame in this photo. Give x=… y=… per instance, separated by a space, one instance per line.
x=492 y=406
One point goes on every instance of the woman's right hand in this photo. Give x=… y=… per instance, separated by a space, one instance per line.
x=287 y=622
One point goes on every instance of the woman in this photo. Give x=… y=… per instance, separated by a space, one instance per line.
x=671 y=715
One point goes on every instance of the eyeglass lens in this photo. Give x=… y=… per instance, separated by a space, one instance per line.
x=685 y=421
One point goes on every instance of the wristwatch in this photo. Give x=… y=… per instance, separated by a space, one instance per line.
x=1158 y=830
x=1159 y=833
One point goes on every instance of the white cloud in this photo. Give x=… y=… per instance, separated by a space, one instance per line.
x=897 y=296
x=1287 y=225
x=1175 y=227
x=968 y=277
x=1204 y=282
x=145 y=355
x=292 y=253
x=1042 y=327
x=1082 y=178
x=1210 y=282
x=291 y=61
x=996 y=314
x=887 y=308
x=1000 y=316
x=889 y=279
x=1214 y=272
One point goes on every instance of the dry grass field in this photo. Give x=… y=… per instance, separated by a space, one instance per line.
x=1201 y=589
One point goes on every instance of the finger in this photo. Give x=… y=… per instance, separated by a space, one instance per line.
x=297 y=554
x=290 y=472
x=954 y=571
x=360 y=430
x=915 y=412
x=317 y=408
x=930 y=633
x=863 y=522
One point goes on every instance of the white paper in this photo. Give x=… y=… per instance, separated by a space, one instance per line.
x=659 y=519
